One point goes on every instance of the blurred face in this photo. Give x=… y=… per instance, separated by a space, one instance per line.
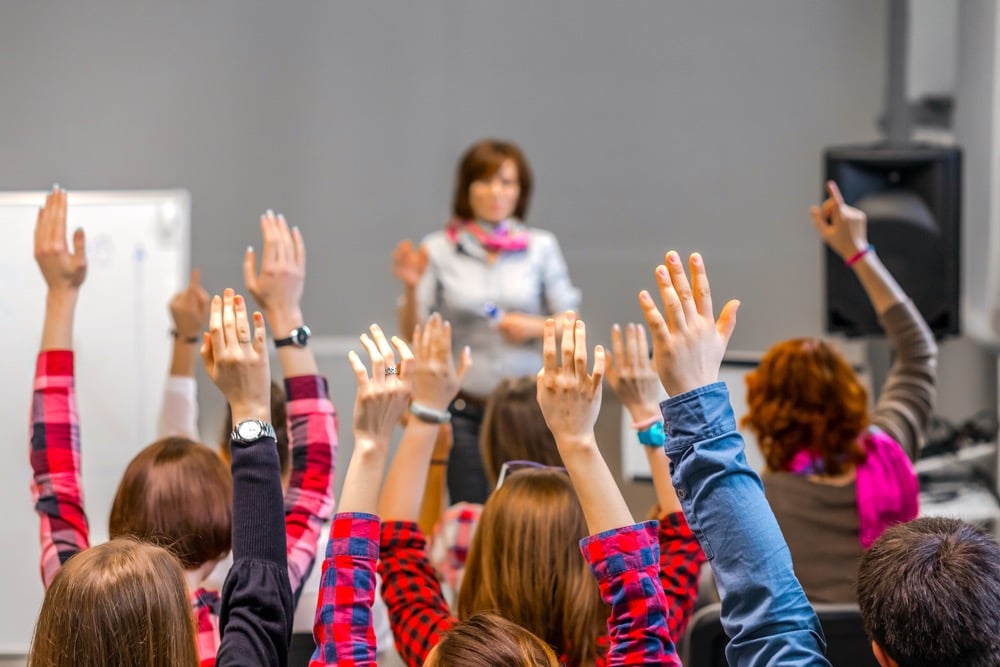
x=494 y=199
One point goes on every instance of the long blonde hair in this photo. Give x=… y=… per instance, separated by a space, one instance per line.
x=525 y=565
x=121 y=603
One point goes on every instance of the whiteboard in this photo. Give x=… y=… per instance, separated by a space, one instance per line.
x=138 y=252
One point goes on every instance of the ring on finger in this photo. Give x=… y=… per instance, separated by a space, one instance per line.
x=391 y=370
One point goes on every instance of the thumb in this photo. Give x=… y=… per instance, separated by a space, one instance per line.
x=79 y=246
x=727 y=320
x=250 y=269
x=464 y=362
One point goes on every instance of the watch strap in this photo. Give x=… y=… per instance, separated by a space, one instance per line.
x=266 y=430
x=429 y=415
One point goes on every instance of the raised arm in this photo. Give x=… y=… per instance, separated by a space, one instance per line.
x=907 y=399
x=189 y=312
x=256 y=617
x=312 y=429
x=624 y=557
x=764 y=610
x=633 y=378
x=343 y=627
x=55 y=431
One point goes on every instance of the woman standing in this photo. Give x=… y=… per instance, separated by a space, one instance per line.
x=496 y=281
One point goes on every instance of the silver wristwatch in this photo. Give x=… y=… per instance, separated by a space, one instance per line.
x=252 y=429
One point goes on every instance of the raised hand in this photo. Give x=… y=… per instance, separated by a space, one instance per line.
x=189 y=308
x=842 y=227
x=688 y=344
x=569 y=396
x=235 y=357
x=63 y=270
x=278 y=287
x=384 y=396
x=409 y=262
x=631 y=374
x=519 y=328
x=436 y=381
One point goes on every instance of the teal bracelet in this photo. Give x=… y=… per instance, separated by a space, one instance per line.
x=654 y=436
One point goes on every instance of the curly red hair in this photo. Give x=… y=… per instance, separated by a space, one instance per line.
x=805 y=396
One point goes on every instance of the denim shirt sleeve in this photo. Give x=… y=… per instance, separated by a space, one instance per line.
x=764 y=610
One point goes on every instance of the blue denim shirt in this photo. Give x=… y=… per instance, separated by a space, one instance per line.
x=765 y=613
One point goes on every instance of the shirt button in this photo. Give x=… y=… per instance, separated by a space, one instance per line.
x=682 y=494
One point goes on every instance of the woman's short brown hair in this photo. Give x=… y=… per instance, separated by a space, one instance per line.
x=482 y=160
x=488 y=640
x=123 y=602
x=805 y=396
x=179 y=494
x=514 y=428
x=525 y=564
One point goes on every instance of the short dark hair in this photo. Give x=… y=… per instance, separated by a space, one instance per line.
x=929 y=593
x=179 y=494
x=483 y=160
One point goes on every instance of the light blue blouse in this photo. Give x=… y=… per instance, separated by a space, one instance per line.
x=467 y=290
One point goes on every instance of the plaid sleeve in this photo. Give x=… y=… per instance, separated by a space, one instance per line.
x=343 y=628
x=418 y=612
x=625 y=563
x=681 y=558
x=55 y=462
x=449 y=545
x=312 y=438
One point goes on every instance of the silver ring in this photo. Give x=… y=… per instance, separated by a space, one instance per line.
x=390 y=370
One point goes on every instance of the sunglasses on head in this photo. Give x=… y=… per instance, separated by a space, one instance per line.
x=513 y=466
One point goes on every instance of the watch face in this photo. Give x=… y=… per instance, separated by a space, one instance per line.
x=301 y=335
x=249 y=430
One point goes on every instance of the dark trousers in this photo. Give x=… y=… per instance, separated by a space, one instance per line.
x=466 y=474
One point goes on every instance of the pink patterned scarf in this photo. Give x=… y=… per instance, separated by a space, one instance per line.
x=886 y=484
x=507 y=236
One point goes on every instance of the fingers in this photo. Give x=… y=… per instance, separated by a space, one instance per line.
x=228 y=318
x=654 y=319
x=360 y=372
x=418 y=340
x=242 y=321
x=464 y=362
x=834 y=190
x=580 y=351
x=59 y=216
x=406 y=360
x=195 y=281
x=300 y=247
x=631 y=353
x=433 y=344
x=207 y=352
x=642 y=345
x=681 y=286
x=269 y=232
x=218 y=340
x=250 y=269
x=700 y=286
x=727 y=320
x=378 y=363
x=617 y=347
x=388 y=355
x=599 y=366
x=568 y=334
x=549 y=363
x=259 y=334
x=819 y=221
x=672 y=309
x=285 y=243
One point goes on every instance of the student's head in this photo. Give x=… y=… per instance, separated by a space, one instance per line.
x=805 y=396
x=514 y=428
x=179 y=494
x=493 y=182
x=929 y=593
x=525 y=564
x=123 y=602
x=488 y=640
x=279 y=419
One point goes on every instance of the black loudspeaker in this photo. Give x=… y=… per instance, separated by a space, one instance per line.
x=912 y=197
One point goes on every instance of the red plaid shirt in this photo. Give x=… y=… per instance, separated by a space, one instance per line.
x=419 y=614
x=343 y=628
x=56 y=485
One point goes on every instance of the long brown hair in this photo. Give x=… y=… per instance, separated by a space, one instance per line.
x=121 y=603
x=482 y=160
x=179 y=494
x=525 y=564
x=514 y=428
x=805 y=396
x=489 y=640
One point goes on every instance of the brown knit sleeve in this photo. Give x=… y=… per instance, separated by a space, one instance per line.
x=904 y=407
